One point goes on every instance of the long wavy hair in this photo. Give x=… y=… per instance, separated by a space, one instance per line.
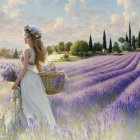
x=40 y=51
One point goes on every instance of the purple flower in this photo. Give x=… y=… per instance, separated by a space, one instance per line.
x=9 y=72
x=30 y=120
x=53 y=68
x=57 y=81
x=45 y=68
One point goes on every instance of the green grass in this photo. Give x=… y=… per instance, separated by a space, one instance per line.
x=55 y=58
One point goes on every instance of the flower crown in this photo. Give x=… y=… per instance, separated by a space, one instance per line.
x=33 y=31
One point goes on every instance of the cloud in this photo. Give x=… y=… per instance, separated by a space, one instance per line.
x=71 y=9
x=69 y=6
x=55 y=31
x=116 y=19
x=130 y=16
x=11 y=32
x=16 y=13
x=129 y=4
x=81 y=11
x=12 y=3
x=126 y=3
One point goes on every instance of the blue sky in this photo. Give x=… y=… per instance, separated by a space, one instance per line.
x=67 y=20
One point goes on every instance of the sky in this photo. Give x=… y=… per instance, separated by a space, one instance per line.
x=67 y=20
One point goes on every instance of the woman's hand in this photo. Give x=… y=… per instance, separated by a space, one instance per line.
x=14 y=86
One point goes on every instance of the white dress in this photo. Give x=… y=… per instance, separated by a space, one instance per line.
x=35 y=103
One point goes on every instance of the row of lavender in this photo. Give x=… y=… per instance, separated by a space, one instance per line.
x=117 y=100
x=79 y=75
x=100 y=93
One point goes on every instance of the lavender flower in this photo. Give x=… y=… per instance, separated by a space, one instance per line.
x=53 y=69
x=9 y=72
x=57 y=80
x=30 y=120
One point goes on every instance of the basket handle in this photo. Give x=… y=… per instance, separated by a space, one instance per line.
x=51 y=65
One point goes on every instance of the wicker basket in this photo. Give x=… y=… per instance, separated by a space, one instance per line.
x=49 y=79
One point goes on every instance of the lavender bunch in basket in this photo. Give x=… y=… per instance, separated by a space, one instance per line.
x=45 y=68
x=57 y=81
x=9 y=72
x=65 y=81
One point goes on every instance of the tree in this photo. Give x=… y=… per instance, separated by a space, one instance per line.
x=139 y=40
x=104 y=40
x=129 y=34
x=116 y=47
x=55 y=48
x=133 y=42
x=110 y=46
x=90 y=43
x=97 y=46
x=121 y=40
x=60 y=46
x=49 y=50
x=67 y=46
x=127 y=46
x=126 y=38
x=15 y=53
x=79 y=47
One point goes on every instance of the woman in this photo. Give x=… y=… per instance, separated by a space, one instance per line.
x=35 y=103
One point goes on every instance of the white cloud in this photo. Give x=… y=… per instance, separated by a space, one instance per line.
x=79 y=14
x=115 y=19
x=130 y=16
x=16 y=13
x=69 y=6
x=12 y=3
x=11 y=32
x=128 y=4
x=56 y=31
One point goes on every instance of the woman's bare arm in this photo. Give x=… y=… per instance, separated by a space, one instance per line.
x=39 y=68
x=25 y=65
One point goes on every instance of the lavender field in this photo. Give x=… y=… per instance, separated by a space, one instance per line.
x=102 y=101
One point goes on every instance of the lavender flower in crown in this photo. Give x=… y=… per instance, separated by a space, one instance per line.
x=9 y=72
x=33 y=31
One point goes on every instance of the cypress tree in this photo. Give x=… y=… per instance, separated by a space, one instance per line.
x=126 y=38
x=90 y=43
x=133 y=42
x=15 y=53
x=139 y=40
x=110 y=46
x=129 y=34
x=104 y=40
